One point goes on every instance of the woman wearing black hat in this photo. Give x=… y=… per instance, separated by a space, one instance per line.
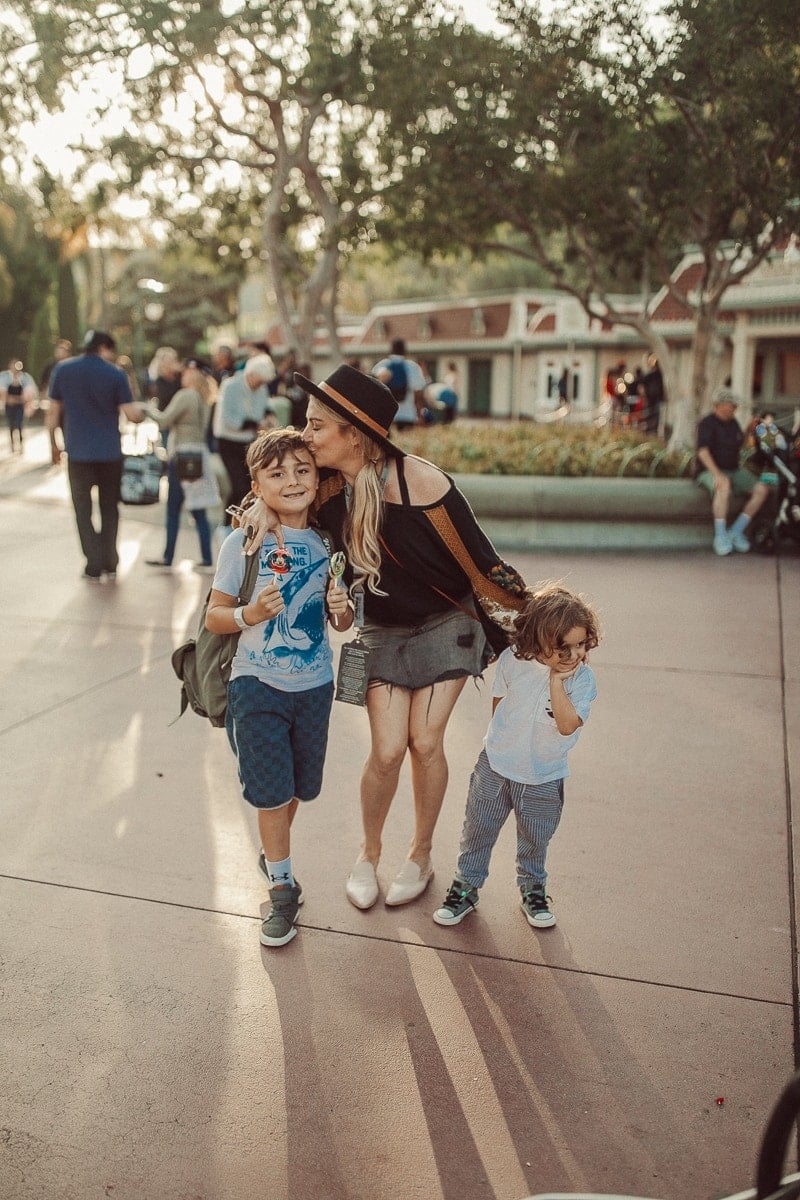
x=435 y=597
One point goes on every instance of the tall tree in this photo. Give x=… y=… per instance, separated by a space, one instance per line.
x=279 y=105
x=609 y=147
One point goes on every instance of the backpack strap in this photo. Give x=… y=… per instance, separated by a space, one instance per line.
x=250 y=577
x=325 y=538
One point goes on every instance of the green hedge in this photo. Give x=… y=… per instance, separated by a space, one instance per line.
x=522 y=448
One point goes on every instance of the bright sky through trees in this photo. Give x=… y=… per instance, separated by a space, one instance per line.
x=49 y=139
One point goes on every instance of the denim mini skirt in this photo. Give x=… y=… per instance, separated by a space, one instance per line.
x=447 y=646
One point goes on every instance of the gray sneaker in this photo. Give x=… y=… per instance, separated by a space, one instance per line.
x=458 y=903
x=278 y=928
x=262 y=866
x=536 y=907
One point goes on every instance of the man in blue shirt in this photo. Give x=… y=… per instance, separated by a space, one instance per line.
x=87 y=395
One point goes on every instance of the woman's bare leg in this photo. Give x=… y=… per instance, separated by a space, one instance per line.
x=389 y=710
x=431 y=709
x=401 y=720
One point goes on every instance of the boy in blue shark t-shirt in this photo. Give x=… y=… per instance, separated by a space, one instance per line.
x=281 y=688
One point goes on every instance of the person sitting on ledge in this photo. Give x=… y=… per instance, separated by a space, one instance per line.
x=718 y=469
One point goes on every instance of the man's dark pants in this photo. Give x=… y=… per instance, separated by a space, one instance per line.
x=234 y=455
x=100 y=547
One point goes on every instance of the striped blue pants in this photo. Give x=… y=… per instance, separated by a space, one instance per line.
x=491 y=797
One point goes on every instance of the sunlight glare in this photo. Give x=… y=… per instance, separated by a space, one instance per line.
x=140 y=63
x=478 y=14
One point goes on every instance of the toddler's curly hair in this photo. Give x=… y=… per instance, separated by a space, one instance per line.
x=549 y=614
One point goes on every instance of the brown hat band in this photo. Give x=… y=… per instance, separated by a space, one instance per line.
x=353 y=408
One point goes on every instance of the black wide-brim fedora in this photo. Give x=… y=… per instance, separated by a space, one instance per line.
x=362 y=400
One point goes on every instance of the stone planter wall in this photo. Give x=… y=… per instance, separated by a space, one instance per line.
x=536 y=512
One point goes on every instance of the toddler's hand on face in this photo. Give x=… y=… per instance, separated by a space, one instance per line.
x=563 y=670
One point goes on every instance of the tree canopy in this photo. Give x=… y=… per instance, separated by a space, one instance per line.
x=610 y=147
x=254 y=119
x=28 y=264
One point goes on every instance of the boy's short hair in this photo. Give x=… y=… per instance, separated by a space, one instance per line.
x=273 y=446
x=549 y=614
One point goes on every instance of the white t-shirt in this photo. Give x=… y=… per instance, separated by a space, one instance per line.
x=291 y=652
x=238 y=403
x=522 y=742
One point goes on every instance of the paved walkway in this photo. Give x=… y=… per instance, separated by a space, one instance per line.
x=152 y=1051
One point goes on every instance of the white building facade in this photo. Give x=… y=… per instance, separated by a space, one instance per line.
x=510 y=349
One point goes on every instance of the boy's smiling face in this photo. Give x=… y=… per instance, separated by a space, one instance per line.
x=288 y=486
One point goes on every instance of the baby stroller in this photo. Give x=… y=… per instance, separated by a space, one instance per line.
x=779 y=455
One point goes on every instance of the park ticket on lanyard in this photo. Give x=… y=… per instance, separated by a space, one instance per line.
x=353 y=674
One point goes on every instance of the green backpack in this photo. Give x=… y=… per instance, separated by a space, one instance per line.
x=203 y=664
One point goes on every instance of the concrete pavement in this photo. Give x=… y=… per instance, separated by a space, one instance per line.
x=153 y=1051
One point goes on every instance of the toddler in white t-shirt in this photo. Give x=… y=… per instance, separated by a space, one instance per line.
x=543 y=689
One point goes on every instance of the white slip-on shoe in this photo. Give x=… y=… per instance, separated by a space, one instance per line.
x=410 y=882
x=362 y=885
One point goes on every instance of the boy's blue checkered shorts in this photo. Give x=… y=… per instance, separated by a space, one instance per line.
x=279 y=739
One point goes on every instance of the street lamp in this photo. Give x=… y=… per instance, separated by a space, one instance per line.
x=151 y=310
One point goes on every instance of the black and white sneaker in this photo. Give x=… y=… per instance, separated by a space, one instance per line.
x=278 y=927
x=458 y=903
x=536 y=907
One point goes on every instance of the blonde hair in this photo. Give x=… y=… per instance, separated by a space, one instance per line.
x=365 y=511
x=205 y=384
x=550 y=612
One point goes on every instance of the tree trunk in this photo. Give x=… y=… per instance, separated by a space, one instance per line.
x=687 y=411
x=273 y=242
x=319 y=291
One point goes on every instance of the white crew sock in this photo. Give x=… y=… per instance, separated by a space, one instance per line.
x=280 y=873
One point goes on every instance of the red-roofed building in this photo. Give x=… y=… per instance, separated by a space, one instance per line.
x=511 y=349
